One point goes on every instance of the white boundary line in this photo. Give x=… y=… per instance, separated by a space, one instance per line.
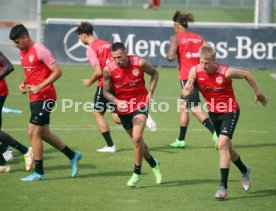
x=120 y=128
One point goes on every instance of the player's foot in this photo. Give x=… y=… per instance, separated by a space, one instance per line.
x=33 y=177
x=75 y=163
x=151 y=124
x=215 y=140
x=28 y=157
x=245 y=179
x=221 y=193
x=178 y=144
x=107 y=149
x=8 y=155
x=157 y=173
x=5 y=169
x=134 y=180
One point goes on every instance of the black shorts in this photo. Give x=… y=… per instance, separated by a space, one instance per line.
x=40 y=112
x=100 y=103
x=225 y=123
x=194 y=99
x=2 y=102
x=127 y=119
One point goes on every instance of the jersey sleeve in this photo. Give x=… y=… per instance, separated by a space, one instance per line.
x=44 y=55
x=92 y=57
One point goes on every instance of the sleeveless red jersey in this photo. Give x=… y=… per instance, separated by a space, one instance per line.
x=103 y=54
x=187 y=52
x=4 y=91
x=217 y=90
x=129 y=84
x=35 y=62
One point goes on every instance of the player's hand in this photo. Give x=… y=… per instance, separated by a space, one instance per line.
x=22 y=88
x=122 y=105
x=33 y=89
x=149 y=98
x=261 y=98
x=86 y=82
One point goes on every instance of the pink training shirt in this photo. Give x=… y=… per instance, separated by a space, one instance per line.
x=36 y=62
x=98 y=53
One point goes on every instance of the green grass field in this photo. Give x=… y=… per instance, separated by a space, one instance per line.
x=190 y=176
x=165 y=13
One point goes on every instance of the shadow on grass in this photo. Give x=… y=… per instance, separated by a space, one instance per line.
x=165 y=149
x=182 y=183
x=256 y=145
x=93 y=175
x=256 y=194
x=65 y=167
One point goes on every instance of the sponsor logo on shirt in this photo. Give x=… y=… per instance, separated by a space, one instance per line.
x=219 y=80
x=31 y=58
x=191 y=55
x=135 y=72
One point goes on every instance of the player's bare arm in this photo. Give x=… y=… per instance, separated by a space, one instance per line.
x=149 y=69
x=189 y=86
x=107 y=85
x=172 y=52
x=22 y=86
x=55 y=74
x=121 y=105
x=96 y=75
x=7 y=67
x=233 y=73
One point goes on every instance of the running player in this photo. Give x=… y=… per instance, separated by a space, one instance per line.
x=41 y=71
x=126 y=75
x=215 y=83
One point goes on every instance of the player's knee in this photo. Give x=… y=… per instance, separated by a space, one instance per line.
x=136 y=140
x=32 y=133
x=116 y=119
x=97 y=114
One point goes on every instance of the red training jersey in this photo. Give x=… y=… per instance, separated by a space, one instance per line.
x=216 y=89
x=36 y=62
x=99 y=53
x=129 y=84
x=187 y=52
x=4 y=91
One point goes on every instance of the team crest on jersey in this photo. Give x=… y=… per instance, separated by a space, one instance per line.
x=135 y=72
x=219 y=80
x=31 y=58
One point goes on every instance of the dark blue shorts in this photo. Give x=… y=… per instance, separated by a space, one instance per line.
x=194 y=99
x=40 y=112
x=100 y=103
x=225 y=123
x=127 y=119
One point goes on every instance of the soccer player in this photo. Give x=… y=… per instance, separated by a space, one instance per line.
x=126 y=75
x=152 y=4
x=98 y=54
x=214 y=81
x=41 y=71
x=5 y=69
x=184 y=46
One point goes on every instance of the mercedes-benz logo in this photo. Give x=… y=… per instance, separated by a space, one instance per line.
x=73 y=47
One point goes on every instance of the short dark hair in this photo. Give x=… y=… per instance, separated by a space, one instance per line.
x=84 y=28
x=18 y=31
x=183 y=18
x=118 y=46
